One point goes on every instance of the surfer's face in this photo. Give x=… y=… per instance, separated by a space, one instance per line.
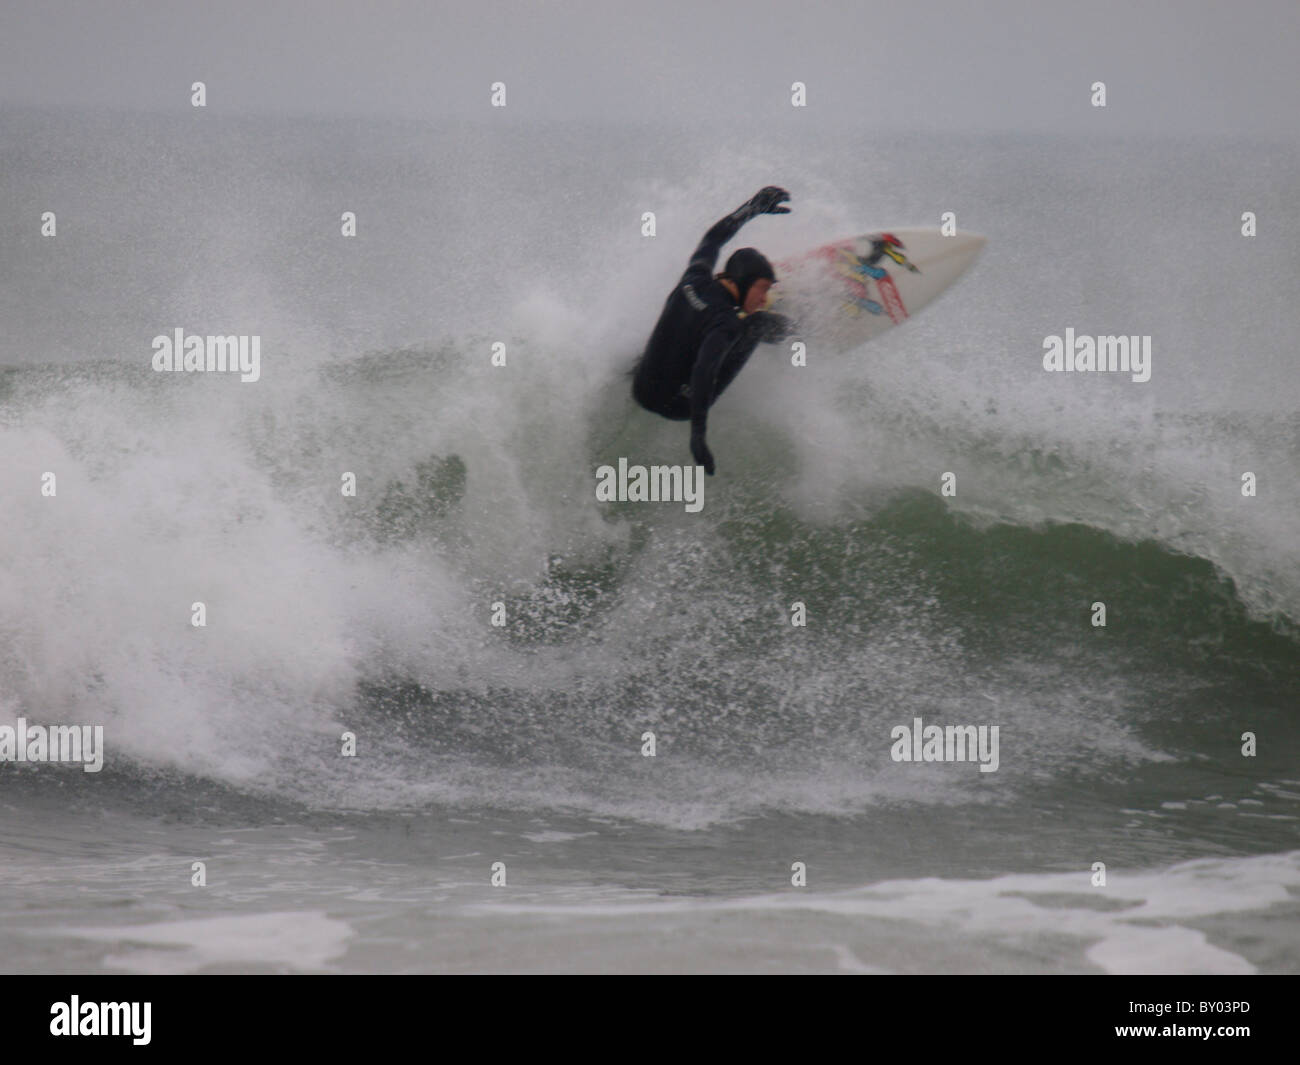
x=756 y=297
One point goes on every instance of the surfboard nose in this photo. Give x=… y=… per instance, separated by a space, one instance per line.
x=966 y=247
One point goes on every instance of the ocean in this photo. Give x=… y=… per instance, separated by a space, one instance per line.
x=587 y=736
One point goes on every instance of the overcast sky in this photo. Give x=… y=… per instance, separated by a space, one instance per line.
x=1176 y=66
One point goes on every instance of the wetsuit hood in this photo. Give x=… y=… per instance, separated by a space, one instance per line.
x=744 y=267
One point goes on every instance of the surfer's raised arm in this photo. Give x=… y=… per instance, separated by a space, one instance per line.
x=765 y=201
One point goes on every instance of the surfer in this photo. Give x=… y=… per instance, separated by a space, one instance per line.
x=701 y=340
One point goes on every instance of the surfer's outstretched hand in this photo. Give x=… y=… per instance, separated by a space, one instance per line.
x=700 y=450
x=769 y=200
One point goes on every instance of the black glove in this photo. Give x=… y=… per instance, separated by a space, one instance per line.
x=700 y=450
x=768 y=200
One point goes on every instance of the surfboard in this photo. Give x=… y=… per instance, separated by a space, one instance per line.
x=844 y=293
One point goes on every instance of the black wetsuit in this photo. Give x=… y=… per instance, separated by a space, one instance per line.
x=700 y=342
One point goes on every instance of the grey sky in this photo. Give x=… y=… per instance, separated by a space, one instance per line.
x=1176 y=66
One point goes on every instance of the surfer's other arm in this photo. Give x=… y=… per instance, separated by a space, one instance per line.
x=704 y=377
x=723 y=353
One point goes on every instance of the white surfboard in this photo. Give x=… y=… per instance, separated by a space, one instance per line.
x=844 y=293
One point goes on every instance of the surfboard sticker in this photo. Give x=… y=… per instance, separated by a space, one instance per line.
x=842 y=294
